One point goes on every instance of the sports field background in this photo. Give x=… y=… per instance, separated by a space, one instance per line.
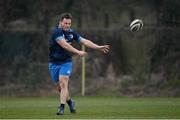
x=92 y=107
x=140 y=64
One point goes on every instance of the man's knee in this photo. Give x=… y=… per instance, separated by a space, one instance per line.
x=63 y=81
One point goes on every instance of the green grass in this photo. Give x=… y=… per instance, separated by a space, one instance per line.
x=92 y=107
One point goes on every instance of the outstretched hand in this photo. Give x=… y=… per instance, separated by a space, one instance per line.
x=104 y=48
x=82 y=53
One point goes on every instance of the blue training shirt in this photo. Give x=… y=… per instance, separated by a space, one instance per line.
x=57 y=54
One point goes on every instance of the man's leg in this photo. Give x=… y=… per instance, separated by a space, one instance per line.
x=64 y=74
x=58 y=87
x=69 y=101
x=55 y=73
x=64 y=88
x=63 y=81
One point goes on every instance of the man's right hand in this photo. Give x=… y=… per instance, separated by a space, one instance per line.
x=82 y=53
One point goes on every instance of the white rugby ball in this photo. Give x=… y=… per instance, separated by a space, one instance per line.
x=136 y=25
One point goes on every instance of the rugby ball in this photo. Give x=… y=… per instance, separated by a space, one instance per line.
x=136 y=25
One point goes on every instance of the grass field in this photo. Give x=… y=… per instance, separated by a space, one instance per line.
x=92 y=107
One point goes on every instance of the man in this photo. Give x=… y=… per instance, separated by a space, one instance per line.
x=60 y=57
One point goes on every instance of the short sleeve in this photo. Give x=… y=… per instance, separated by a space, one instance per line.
x=58 y=35
x=77 y=37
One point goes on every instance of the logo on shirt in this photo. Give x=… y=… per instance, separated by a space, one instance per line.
x=71 y=36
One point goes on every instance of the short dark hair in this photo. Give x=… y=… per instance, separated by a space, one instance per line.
x=65 y=15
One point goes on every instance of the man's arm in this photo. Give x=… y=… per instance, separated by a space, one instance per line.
x=88 y=43
x=70 y=48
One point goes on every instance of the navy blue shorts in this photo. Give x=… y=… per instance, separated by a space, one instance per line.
x=57 y=70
